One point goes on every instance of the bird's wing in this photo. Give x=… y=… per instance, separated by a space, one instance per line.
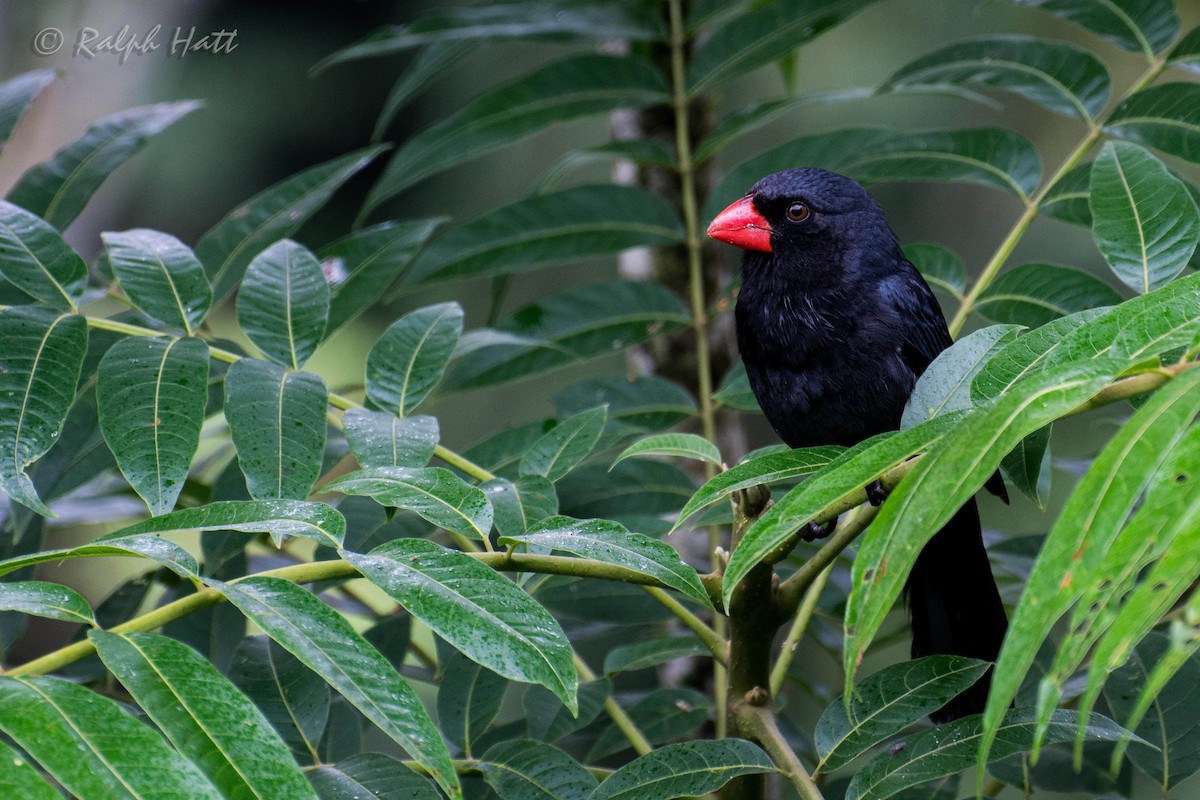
x=923 y=330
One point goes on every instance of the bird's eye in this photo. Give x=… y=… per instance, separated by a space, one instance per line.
x=798 y=212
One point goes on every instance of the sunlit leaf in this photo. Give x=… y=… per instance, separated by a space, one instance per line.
x=676 y=445
x=946 y=383
x=42 y=599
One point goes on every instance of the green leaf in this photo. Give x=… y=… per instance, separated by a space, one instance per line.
x=641 y=403
x=50 y=600
x=940 y=268
x=1027 y=466
x=1086 y=527
x=480 y=613
x=436 y=494
x=1165 y=117
x=1057 y=75
x=277 y=422
x=385 y=440
x=151 y=395
x=15 y=96
x=1171 y=728
x=1145 y=222
x=42 y=357
x=889 y=701
x=18 y=777
x=59 y=189
x=675 y=445
x=283 y=303
x=293 y=698
x=362 y=266
x=1034 y=294
x=1145 y=25
x=991 y=157
x=955 y=467
x=161 y=276
x=611 y=543
x=567 y=328
x=769 y=468
x=431 y=62
x=371 y=775
x=515 y=20
x=550 y=720
x=525 y=769
x=760 y=36
x=316 y=521
x=324 y=641
x=91 y=746
x=408 y=360
x=565 y=445
x=735 y=392
x=164 y=552
x=469 y=697
x=945 y=384
x=563 y=226
x=844 y=476
x=571 y=87
x=647 y=487
x=274 y=214
x=687 y=769
x=1067 y=199
x=1186 y=54
x=1020 y=359
x=643 y=655
x=204 y=715
x=521 y=503
x=1159 y=536
x=35 y=259
x=662 y=715
x=950 y=749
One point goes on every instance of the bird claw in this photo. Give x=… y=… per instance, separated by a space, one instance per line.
x=876 y=494
x=814 y=530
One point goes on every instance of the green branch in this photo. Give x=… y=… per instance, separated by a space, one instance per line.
x=1015 y=234
x=623 y=721
x=715 y=643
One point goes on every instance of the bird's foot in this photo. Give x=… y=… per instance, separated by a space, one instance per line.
x=817 y=530
x=876 y=494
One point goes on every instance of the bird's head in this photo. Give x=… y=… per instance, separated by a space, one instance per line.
x=804 y=214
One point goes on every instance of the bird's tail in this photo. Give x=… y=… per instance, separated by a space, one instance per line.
x=955 y=606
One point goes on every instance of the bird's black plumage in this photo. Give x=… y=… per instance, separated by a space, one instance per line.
x=835 y=325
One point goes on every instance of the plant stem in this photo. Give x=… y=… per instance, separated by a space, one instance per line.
x=715 y=643
x=623 y=721
x=792 y=590
x=796 y=632
x=994 y=265
x=695 y=265
x=759 y=722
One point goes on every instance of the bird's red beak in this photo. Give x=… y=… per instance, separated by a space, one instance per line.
x=741 y=226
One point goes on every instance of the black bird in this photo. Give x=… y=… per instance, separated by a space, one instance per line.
x=835 y=325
